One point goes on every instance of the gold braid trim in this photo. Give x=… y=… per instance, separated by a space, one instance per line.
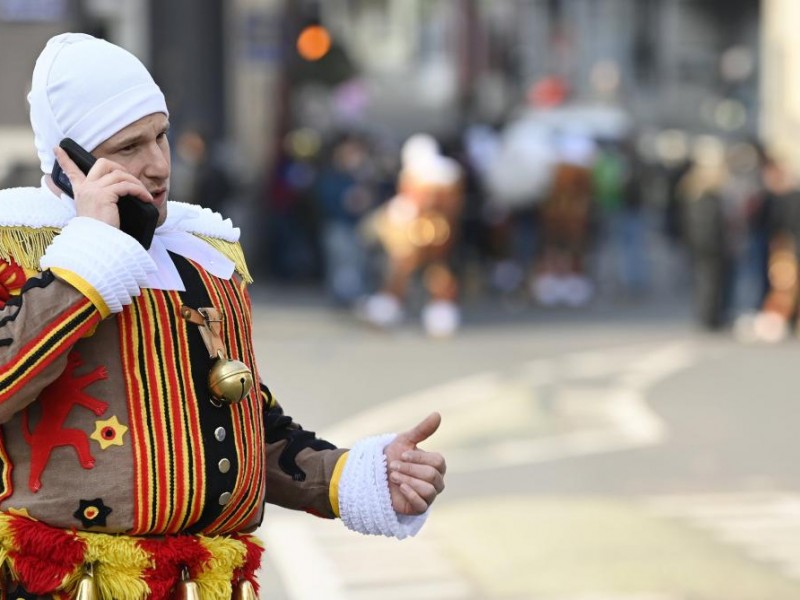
x=233 y=251
x=26 y=245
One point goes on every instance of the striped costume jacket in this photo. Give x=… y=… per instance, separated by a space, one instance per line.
x=107 y=422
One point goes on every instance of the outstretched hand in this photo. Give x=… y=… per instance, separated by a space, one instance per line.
x=416 y=477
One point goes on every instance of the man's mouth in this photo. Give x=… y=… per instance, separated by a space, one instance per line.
x=159 y=196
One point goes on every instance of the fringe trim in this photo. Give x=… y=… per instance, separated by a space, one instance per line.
x=26 y=245
x=233 y=251
x=47 y=560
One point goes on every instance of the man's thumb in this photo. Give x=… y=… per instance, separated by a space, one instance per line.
x=424 y=429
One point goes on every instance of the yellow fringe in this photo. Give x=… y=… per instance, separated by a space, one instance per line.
x=119 y=564
x=26 y=245
x=228 y=555
x=233 y=251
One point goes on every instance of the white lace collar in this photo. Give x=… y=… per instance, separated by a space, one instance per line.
x=40 y=207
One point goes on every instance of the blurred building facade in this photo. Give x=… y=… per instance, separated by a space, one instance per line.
x=663 y=60
x=723 y=66
x=780 y=79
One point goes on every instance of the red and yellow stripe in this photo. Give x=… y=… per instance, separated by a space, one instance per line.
x=247 y=496
x=162 y=405
x=51 y=561
x=53 y=341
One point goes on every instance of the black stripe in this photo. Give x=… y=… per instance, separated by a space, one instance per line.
x=147 y=403
x=211 y=417
x=166 y=409
x=55 y=338
x=175 y=326
x=239 y=335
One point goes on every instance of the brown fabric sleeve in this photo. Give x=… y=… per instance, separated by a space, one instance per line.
x=313 y=493
x=299 y=465
x=38 y=327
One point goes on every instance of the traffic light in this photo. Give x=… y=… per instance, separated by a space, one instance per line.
x=313 y=42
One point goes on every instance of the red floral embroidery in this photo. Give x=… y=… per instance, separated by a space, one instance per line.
x=56 y=401
x=12 y=278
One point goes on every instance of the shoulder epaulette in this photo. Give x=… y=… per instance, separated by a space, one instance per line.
x=232 y=251
x=26 y=245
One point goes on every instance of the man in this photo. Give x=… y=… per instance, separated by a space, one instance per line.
x=124 y=473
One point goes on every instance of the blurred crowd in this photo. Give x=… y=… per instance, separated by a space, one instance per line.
x=740 y=217
x=554 y=208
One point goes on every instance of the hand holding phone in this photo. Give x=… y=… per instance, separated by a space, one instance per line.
x=136 y=217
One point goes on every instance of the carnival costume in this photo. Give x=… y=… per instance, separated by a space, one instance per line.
x=117 y=463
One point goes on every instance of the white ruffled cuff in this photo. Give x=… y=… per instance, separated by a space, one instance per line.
x=365 y=505
x=110 y=261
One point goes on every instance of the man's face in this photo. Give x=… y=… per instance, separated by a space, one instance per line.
x=142 y=148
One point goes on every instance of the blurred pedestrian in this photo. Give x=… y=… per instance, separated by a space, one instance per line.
x=292 y=233
x=744 y=190
x=617 y=190
x=707 y=233
x=200 y=177
x=781 y=216
x=517 y=174
x=417 y=229
x=345 y=192
x=566 y=219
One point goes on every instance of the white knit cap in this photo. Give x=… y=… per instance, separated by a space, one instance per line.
x=87 y=89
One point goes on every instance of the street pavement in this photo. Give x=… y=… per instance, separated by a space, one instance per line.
x=607 y=453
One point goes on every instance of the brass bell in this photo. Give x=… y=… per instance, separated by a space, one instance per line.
x=187 y=589
x=229 y=380
x=244 y=591
x=86 y=587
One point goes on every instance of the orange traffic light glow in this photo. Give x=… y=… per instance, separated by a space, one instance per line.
x=314 y=42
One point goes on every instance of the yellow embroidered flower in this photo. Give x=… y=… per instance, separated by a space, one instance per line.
x=109 y=432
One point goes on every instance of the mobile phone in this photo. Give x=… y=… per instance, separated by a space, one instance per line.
x=136 y=218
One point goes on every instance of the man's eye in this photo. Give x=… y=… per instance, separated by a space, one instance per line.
x=127 y=149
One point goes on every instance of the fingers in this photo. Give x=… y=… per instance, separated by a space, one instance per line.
x=415 y=494
x=103 y=167
x=97 y=193
x=69 y=167
x=116 y=179
x=116 y=176
x=424 y=473
x=423 y=430
x=108 y=174
x=126 y=188
x=105 y=172
x=434 y=459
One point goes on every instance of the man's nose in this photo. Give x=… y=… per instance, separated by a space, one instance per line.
x=157 y=163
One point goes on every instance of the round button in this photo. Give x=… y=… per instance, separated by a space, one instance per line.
x=224 y=465
x=224 y=498
x=220 y=434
